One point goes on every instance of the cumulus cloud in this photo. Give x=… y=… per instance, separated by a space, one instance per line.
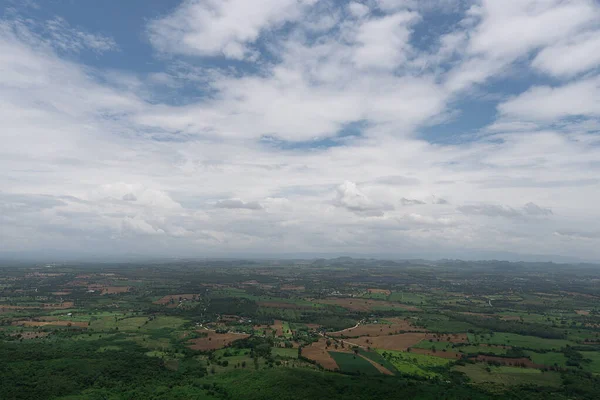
x=350 y=197
x=140 y=226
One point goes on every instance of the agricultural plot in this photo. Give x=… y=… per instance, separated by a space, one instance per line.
x=214 y=340
x=414 y=364
x=392 y=326
x=365 y=305
x=338 y=318
x=483 y=349
x=284 y=353
x=549 y=359
x=408 y=298
x=594 y=364
x=353 y=363
x=515 y=340
x=378 y=358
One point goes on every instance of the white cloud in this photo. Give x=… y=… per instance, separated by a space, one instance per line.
x=66 y=38
x=220 y=27
x=571 y=56
x=102 y=160
x=383 y=42
x=350 y=197
x=501 y=32
x=358 y=9
x=579 y=98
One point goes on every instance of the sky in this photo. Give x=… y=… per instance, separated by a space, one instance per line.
x=217 y=128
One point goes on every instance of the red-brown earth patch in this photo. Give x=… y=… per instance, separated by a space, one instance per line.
x=214 y=340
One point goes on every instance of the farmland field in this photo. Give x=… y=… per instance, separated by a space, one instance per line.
x=352 y=363
x=527 y=342
x=188 y=327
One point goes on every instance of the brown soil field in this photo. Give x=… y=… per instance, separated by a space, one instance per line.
x=65 y=293
x=510 y=361
x=276 y=304
x=404 y=340
x=582 y=312
x=175 y=297
x=357 y=304
x=587 y=296
x=115 y=289
x=292 y=288
x=452 y=338
x=477 y=314
x=278 y=326
x=379 y=329
x=379 y=291
x=390 y=342
x=510 y=318
x=79 y=324
x=59 y=306
x=33 y=335
x=319 y=353
x=78 y=282
x=214 y=340
x=51 y=306
x=442 y=354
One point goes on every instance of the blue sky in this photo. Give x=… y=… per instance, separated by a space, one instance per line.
x=404 y=128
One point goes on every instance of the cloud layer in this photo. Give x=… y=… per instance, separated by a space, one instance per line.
x=306 y=126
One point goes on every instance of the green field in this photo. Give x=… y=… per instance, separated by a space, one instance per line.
x=515 y=340
x=284 y=353
x=287 y=331
x=438 y=346
x=549 y=359
x=414 y=364
x=594 y=365
x=378 y=358
x=351 y=363
x=408 y=298
x=509 y=375
x=480 y=350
